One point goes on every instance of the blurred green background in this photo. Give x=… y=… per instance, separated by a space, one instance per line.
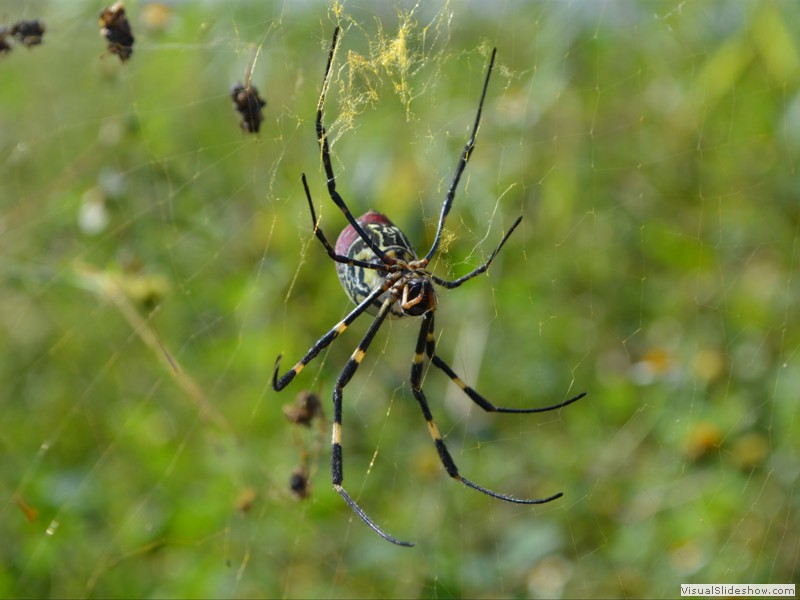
x=155 y=260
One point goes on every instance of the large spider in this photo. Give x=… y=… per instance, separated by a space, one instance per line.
x=381 y=273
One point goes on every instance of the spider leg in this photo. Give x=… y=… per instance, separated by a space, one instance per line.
x=474 y=273
x=336 y=436
x=444 y=455
x=322 y=138
x=324 y=241
x=430 y=350
x=462 y=163
x=279 y=383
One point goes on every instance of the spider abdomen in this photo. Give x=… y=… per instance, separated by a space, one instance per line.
x=357 y=281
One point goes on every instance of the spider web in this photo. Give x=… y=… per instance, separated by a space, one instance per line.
x=155 y=260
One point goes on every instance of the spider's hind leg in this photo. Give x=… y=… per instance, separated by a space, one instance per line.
x=426 y=330
x=347 y=373
x=430 y=350
x=280 y=382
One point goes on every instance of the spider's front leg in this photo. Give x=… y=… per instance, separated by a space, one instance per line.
x=324 y=240
x=481 y=269
x=347 y=373
x=324 y=146
x=426 y=330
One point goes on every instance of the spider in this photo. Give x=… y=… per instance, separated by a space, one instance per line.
x=383 y=276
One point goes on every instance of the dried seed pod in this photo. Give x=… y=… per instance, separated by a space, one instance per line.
x=248 y=104
x=299 y=484
x=114 y=26
x=28 y=32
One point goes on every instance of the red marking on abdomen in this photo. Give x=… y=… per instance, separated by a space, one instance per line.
x=349 y=235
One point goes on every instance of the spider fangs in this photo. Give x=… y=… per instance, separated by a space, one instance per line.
x=381 y=273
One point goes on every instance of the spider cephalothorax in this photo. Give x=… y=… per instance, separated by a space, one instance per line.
x=412 y=284
x=381 y=273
